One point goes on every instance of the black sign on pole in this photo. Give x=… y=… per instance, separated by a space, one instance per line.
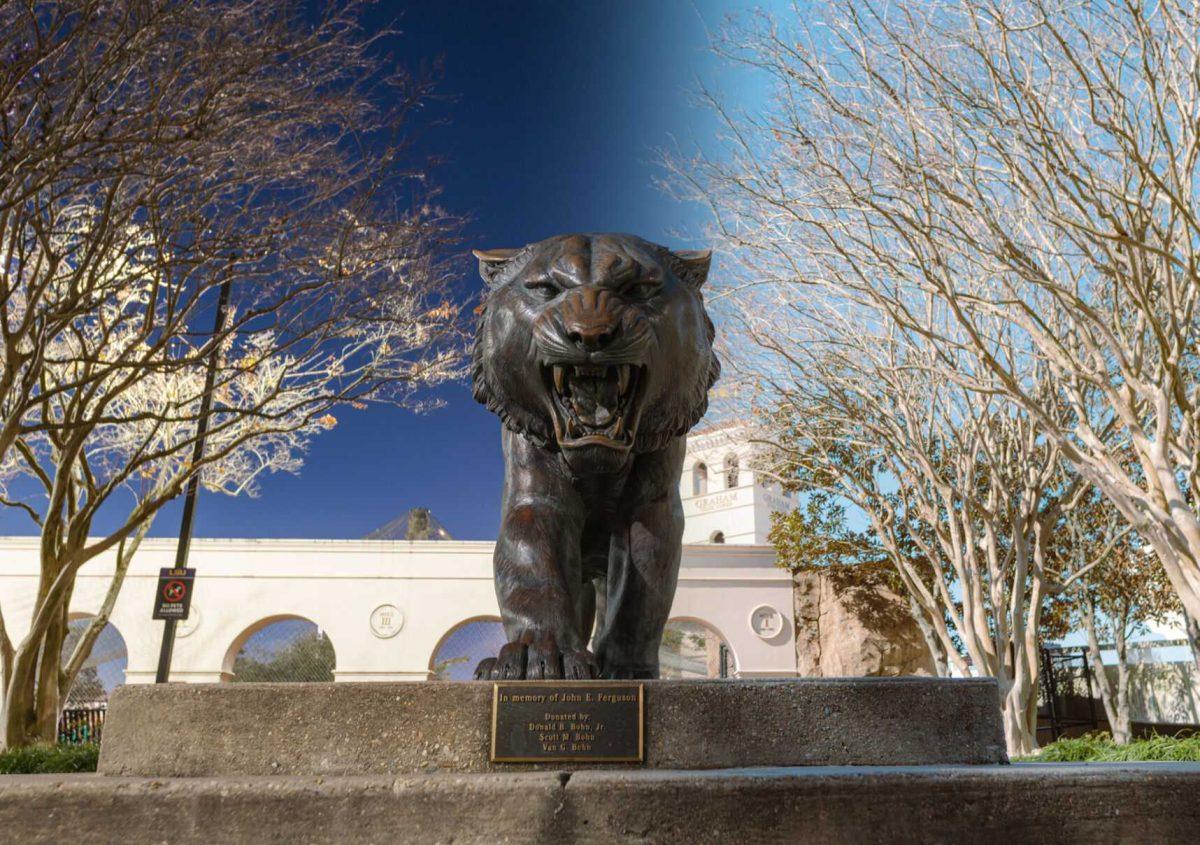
x=174 y=596
x=189 y=499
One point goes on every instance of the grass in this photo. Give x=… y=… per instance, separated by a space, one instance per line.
x=48 y=759
x=1100 y=748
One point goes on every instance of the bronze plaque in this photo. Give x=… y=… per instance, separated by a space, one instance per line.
x=573 y=721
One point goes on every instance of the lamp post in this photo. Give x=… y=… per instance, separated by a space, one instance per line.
x=193 y=485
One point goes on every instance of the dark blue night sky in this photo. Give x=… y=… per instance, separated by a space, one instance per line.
x=553 y=117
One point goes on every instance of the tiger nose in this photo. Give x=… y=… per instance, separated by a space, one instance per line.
x=591 y=337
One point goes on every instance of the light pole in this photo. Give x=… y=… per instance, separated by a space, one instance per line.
x=193 y=486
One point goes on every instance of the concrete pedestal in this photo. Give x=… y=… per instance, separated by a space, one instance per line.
x=192 y=730
x=731 y=761
x=1023 y=803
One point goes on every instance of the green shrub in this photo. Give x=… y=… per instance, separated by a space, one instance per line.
x=1100 y=748
x=48 y=759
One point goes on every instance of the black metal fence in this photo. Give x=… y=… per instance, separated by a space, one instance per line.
x=1067 y=698
x=78 y=725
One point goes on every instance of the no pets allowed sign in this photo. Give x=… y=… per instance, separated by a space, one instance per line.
x=174 y=595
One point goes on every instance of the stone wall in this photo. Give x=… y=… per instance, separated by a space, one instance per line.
x=853 y=631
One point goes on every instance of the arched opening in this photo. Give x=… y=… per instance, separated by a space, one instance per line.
x=732 y=475
x=716 y=537
x=103 y=670
x=461 y=648
x=699 y=479
x=694 y=649
x=288 y=649
x=690 y=649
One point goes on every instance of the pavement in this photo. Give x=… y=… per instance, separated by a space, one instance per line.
x=975 y=804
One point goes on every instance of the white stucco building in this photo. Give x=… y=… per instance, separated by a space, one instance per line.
x=387 y=606
x=723 y=500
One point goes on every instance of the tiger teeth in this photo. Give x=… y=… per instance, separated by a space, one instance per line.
x=618 y=430
x=559 y=377
x=623 y=371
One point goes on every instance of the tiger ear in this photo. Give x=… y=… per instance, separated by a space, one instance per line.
x=492 y=261
x=692 y=265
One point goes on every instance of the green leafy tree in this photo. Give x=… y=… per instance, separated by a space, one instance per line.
x=816 y=535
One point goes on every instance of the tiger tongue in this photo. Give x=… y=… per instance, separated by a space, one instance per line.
x=594 y=399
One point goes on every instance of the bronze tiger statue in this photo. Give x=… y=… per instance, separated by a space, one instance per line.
x=597 y=354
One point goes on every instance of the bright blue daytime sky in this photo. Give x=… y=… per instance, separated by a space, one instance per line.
x=553 y=117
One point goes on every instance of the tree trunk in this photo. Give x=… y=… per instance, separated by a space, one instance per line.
x=1020 y=732
x=20 y=698
x=49 y=695
x=6 y=659
x=937 y=652
x=32 y=695
x=1192 y=626
x=32 y=699
x=1121 y=732
x=1113 y=700
x=37 y=676
x=1019 y=736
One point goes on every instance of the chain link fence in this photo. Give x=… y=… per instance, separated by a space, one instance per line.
x=288 y=651
x=463 y=648
x=82 y=718
x=693 y=650
x=104 y=669
x=689 y=650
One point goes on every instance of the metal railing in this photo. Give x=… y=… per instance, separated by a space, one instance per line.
x=78 y=725
x=1068 y=699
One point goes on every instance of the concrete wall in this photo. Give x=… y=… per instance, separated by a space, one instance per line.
x=243 y=585
x=1162 y=693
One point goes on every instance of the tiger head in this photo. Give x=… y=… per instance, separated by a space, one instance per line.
x=597 y=345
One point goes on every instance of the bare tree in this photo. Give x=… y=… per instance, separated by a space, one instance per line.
x=151 y=155
x=961 y=491
x=1027 y=162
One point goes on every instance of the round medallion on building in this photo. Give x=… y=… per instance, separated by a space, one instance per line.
x=386 y=621
x=766 y=621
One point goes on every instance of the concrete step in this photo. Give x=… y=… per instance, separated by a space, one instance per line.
x=1023 y=803
x=193 y=730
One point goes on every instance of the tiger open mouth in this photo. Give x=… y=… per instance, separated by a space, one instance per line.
x=594 y=404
